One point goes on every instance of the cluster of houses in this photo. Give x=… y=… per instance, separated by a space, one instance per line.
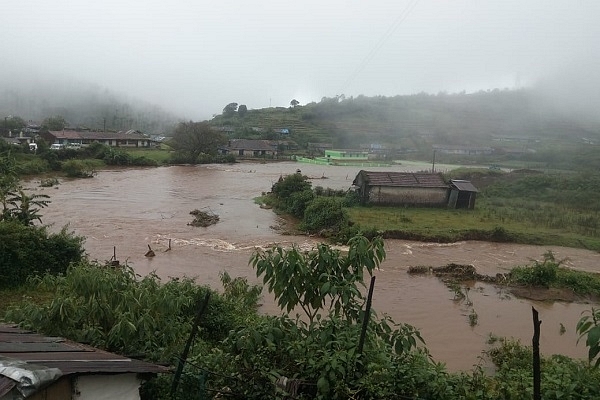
x=69 y=137
x=130 y=138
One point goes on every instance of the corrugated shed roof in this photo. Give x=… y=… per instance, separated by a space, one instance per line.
x=462 y=185
x=68 y=356
x=402 y=179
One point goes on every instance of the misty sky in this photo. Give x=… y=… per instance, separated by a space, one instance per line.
x=195 y=56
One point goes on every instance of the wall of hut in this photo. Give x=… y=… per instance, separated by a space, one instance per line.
x=432 y=197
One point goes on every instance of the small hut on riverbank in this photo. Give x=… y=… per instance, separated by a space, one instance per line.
x=421 y=189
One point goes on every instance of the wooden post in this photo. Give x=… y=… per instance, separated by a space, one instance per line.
x=186 y=350
x=113 y=261
x=365 y=322
x=537 y=394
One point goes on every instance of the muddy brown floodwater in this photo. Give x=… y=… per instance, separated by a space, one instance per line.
x=131 y=209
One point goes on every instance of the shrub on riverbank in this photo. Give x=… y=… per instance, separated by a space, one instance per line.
x=80 y=168
x=320 y=211
x=27 y=251
x=550 y=272
x=114 y=309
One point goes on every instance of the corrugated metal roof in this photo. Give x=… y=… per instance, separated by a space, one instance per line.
x=402 y=179
x=465 y=186
x=68 y=356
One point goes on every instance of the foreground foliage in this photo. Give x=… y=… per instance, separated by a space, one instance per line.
x=27 y=250
x=244 y=355
x=321 y=353
x=114 y=309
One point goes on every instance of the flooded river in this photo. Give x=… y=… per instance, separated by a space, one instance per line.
x=131 y=209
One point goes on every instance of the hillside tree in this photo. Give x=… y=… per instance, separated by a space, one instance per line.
x=13 y=122
x=191 y=139
x=230 y=109
x=242 y=110
x=54 y=123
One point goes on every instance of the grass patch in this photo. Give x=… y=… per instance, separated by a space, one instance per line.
x=161 y=156
x=441 y=225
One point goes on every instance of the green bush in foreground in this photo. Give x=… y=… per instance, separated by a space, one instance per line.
x=244 y=354
x=114 y=309
x=27 y=251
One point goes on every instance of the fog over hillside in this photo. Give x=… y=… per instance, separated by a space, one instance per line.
x=81 y=104
x=561 y=107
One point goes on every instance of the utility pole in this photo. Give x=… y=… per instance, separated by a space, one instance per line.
x=433 y=165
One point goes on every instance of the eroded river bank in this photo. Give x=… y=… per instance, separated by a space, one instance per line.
x=131 y=209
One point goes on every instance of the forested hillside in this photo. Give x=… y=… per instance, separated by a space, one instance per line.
x=414 y=121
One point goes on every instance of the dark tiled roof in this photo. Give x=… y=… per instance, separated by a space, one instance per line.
x=248 y=144
x=402 y=179
x=69 y=357
x=465 y=186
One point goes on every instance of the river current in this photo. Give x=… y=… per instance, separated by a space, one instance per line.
x=125 y=211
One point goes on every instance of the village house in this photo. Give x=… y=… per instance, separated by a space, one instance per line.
x=19 y=138
x=250 y=148
x=131 y=138
x=462 y=150
x=39 y=367
x=335 y=156
x=413 y=189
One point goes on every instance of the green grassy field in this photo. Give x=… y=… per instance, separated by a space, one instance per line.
x=160 y=155
x=441 y=225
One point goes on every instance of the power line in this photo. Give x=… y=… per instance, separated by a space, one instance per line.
x=401 y=18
